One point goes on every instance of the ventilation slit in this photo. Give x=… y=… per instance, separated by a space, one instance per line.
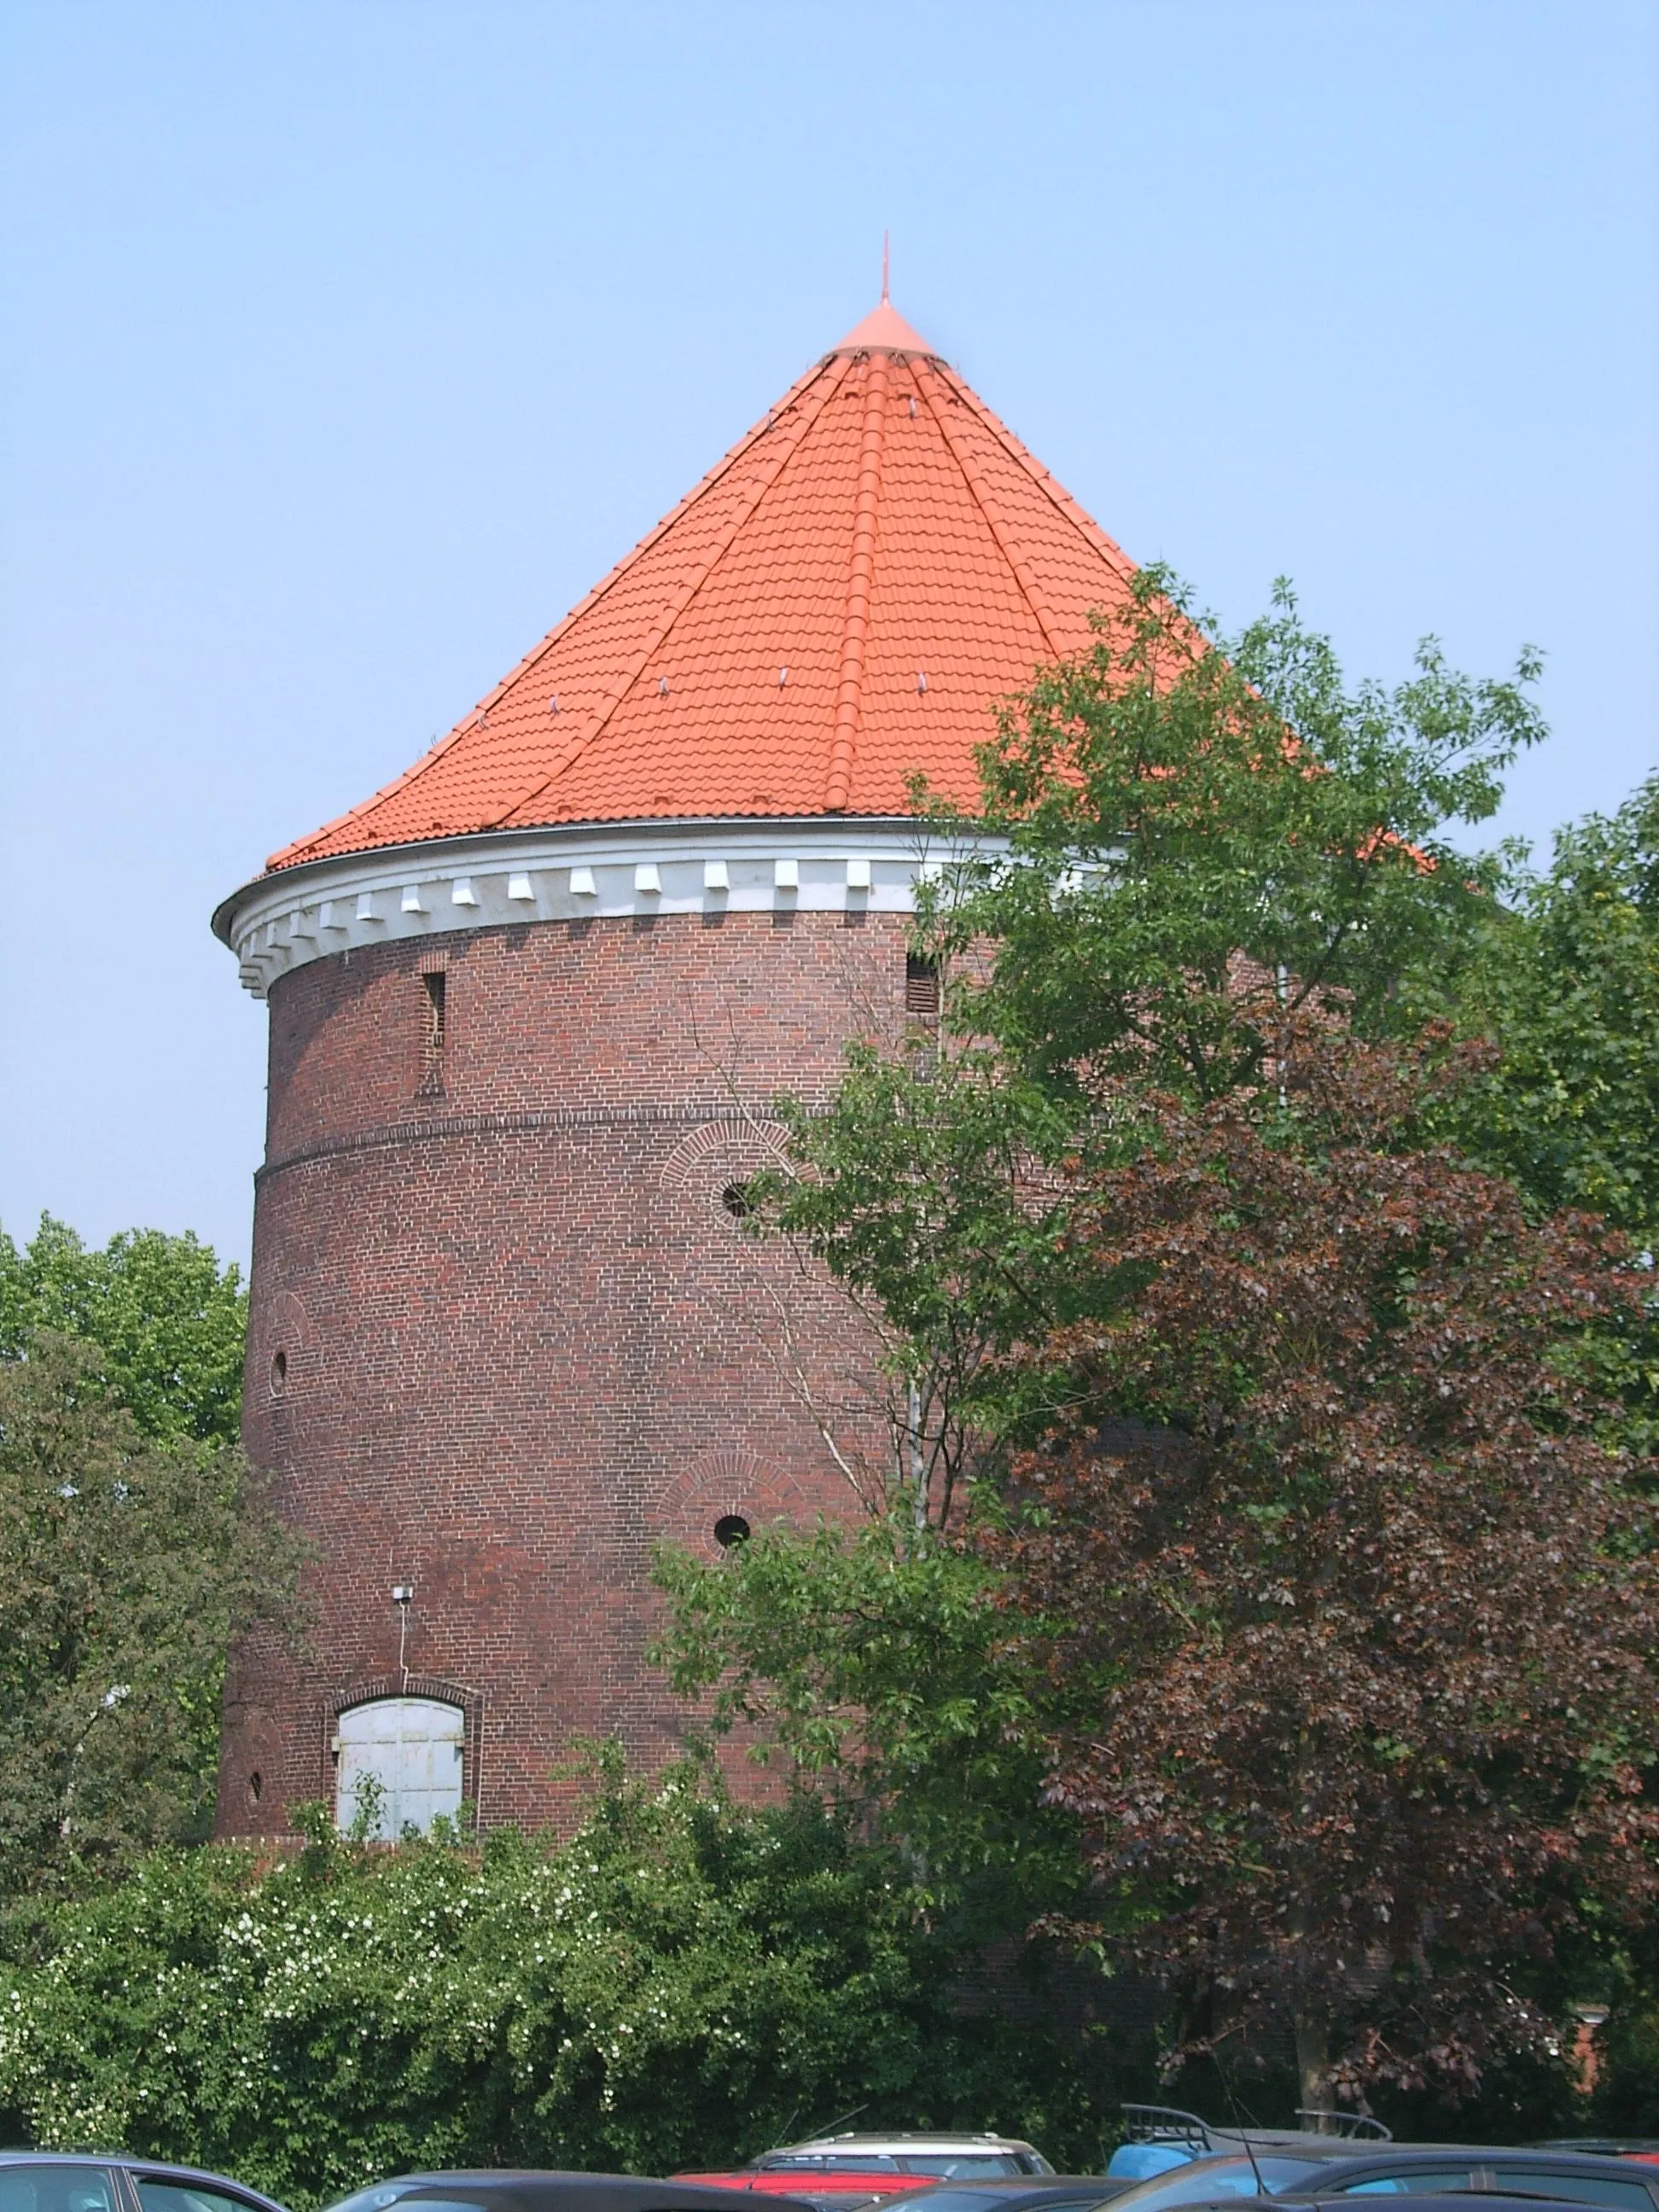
x=921 y=987
x=434 y=981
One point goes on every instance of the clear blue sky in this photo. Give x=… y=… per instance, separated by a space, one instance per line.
x=347 y=343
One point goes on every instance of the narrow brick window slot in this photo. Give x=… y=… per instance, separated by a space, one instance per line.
x=921 y=987
x=255 y=1785
x=730 y=1530
x=279 y=1373
x=435 y=993
x=736 y=1199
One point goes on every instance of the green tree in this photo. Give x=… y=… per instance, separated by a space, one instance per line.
x=875 y=1666
x=929 y=1188
x=1566 y=984
x=168 y=1321
x=1169 y=875
x=129 y=1563
x=1166 y=880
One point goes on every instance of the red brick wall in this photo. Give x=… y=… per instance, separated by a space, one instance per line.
x=519 y=1335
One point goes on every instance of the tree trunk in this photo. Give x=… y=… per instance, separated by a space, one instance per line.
x=1313 y=2058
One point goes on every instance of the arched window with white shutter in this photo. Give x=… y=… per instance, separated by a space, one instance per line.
x=412 y=1748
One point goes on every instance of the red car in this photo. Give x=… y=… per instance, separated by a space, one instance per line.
x=833 y=2191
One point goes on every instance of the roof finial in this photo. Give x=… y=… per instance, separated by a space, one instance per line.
x=885 y=300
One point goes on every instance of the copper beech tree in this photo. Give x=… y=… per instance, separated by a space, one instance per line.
x=1261 y=1596
x=1365 y=1606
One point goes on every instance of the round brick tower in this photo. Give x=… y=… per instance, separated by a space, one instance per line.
x=530 y=1007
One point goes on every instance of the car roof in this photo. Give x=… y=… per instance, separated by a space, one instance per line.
x=774 y=2180
x=1449 y=2202
x=637 y=2188
x=1609 y=2146
x=782 y=2184
x=909 y=2139
x=1394 y=2154
x=1031 y=2187
x=1330 y=2150
x=1034 y=2188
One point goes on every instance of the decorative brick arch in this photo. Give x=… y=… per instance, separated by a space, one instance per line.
x=731 y=1479
x=284 y=1358
x=435 y=1687
x=709 y=1160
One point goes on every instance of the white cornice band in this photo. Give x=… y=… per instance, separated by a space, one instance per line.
x=586 y=872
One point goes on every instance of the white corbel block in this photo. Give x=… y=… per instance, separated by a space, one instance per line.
x=412 y=899
x=520 y=890
x=329 y=919
x=716 y=876
x=300 y=926
x=366 y=908
x=582 y=885
x=786 y=875
x=648 y=878
x=461 y=892
x=857 y=875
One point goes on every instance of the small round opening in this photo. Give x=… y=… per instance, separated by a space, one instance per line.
x=735 y=1199
x=279 y=1370
x=256 y=1782
x=730 y=1528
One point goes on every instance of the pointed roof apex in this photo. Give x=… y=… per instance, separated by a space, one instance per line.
x=883 y=330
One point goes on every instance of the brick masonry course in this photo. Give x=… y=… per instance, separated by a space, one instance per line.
x=505 y=1333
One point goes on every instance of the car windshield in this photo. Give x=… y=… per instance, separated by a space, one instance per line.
x=827 y=2161
x=1410 y=2181
x=1205 y=2178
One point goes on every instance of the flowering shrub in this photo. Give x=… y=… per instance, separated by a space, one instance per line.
x=683 y=1983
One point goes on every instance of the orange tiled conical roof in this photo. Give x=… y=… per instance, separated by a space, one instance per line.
x=835 y=606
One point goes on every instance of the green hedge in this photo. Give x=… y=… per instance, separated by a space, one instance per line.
x=682 y=1984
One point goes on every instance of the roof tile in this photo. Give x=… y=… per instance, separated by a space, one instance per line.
x=762 y=651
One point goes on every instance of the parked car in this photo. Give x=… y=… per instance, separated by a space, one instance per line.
x=1306 y=2168
x=945 y=2157
x=1157 y=2137
x=107 y=2181
x=504 y=2190
x=1431 y=2201
x=1054 y=2192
